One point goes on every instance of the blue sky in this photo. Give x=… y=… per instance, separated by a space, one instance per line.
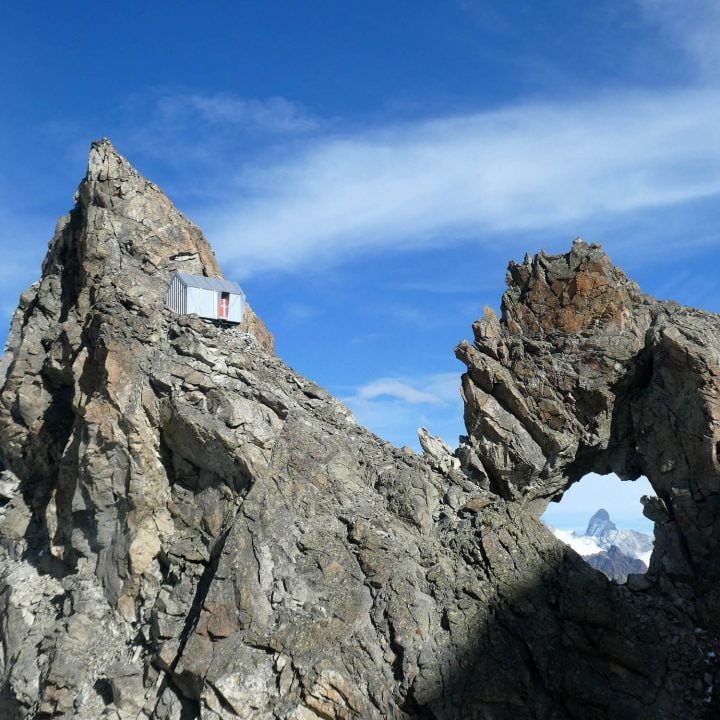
x=366 y=170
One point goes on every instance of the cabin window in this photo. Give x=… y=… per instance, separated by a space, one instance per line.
x=224 y=305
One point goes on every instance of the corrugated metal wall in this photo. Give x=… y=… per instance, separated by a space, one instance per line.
x=175 y=297
x=202 y=302
x=186 y=300
x=237 y=307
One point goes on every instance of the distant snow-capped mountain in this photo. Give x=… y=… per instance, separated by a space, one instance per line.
x=632 y=543
x=615 y=552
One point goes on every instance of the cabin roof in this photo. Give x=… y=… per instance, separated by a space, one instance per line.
x=207 y=283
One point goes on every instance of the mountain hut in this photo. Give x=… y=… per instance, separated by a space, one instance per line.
x=212 y=298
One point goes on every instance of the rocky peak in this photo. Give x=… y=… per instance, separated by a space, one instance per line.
x=148 y=227
x=119 y=245
x=189 y=529
x=584 y=373
x=554 y=295
x=600 y=524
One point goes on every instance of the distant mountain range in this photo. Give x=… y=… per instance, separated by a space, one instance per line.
x=615 y=552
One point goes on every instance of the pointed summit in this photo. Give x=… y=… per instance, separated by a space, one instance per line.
x=86 y=343
x=600 y=524
x=105 y=162
x=142 y=221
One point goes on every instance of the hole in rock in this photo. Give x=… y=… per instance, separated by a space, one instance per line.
x=103 y=688
x=601 y=518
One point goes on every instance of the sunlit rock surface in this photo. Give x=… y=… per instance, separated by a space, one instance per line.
x=189 y=529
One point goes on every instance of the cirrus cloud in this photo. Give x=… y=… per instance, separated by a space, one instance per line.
x=441 y=181
x=392 y=405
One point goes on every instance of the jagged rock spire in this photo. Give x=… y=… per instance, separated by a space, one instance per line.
x=146 y=225
x=585 y=373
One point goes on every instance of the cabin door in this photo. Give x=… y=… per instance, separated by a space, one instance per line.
x=224 y=305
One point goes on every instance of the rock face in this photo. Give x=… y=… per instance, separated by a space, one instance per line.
x=615 y=565
x=191 y=530
x=585 y=373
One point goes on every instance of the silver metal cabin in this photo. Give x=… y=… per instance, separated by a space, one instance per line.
x=213 y=298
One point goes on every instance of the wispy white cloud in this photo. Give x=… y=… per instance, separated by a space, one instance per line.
x=199 y=138
x=693 y=24
x=437 y=182
x=393 y=407
x=275 y=114
x=436 y=390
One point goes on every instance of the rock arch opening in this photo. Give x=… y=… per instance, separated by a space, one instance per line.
x=601 y=518
x=583 y=372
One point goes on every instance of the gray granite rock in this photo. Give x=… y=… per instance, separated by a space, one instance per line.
x=192 y=530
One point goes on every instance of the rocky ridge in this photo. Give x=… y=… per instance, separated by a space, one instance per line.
x=189 y=529
x=615 y=565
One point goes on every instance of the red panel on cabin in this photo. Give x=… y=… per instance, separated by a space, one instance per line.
x=224 y=305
